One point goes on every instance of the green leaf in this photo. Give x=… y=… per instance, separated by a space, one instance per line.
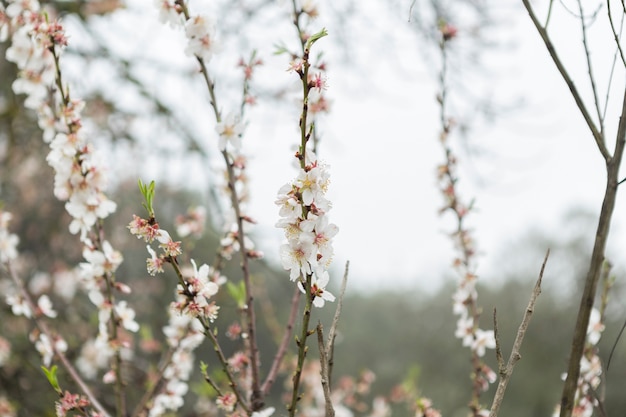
x=51 y=374
x=280 y=49
x=315 y=37
x=147 y=191
x=237 y=292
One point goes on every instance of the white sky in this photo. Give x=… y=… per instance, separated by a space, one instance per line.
x=534 y=164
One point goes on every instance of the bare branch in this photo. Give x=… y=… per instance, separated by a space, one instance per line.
x=615 y=35
x=506 y=372
x=330 y=344
x=595 y=268
x=592 y=79
x=43 y=327
x=324 y=372
x=597 y=135
x=282 y=347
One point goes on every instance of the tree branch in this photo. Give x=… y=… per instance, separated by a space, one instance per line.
x=506 y=371
x=597 y=135
x=595 y=269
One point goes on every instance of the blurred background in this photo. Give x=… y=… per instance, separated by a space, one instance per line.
x=525 y=158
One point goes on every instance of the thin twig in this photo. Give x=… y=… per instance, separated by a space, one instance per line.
x=330 y=343
x=282 y=347
x=592 y=79
x=597 y=135
x=615 y=36
x=507 y=371
x=43 y=328
x=324 y=372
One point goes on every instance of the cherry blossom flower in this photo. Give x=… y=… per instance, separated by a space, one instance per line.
x=45 y=348
x=19 y=306
x=483 y=339
x=595 y=327
x=127 y=316
x=200 y=32
x=169 y=13
x=154 y=263
x=227 y=402
x=45 y=306
x=318 y=289
x=230 y=130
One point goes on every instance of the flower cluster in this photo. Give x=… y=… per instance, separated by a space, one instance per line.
x=465 y=298
x=71 y=402
x=191 y=224
x=79 y=180
x=184 y=334
x=194 y=296
x=199 y=30
x=149 y=231
x=303 y=212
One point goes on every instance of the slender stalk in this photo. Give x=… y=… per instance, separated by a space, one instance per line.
x=302 y=347
x=507 y=370
x=282 y=347
x=595 y=268
x=324 y=372
x=592 y=79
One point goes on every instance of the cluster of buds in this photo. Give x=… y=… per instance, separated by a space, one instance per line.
x=303 y=212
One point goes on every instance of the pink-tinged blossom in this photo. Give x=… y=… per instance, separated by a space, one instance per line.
x=4 y=24
x=318 y=289
x=297 y=259
x=483 y=339
x=230 y=129
x=169 y=13
x=144 y=229
x=595 y=328
x=70 y=402
x=167 y=244
x=227 y=402
x=154 y=263
x=200 y=32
